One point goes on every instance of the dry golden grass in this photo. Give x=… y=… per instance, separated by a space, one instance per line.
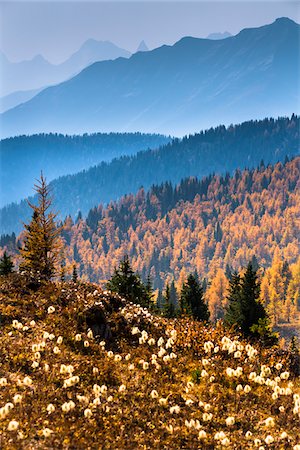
x=155 y=384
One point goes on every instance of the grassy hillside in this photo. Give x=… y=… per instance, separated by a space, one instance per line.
x=143 y=383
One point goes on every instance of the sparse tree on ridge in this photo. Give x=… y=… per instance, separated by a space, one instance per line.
x=74 y=274
x=128 y=284
x=251 y=308
x=233 y=314
x=6 y=264
x=192 y=301
x=40 y=252
x=168 y=309
x=244 y=310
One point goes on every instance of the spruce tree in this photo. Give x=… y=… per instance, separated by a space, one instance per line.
x=74 y=274
x=128 y=284
x=6 y=264
x=160 y=300
x=233 y=314
x=40 y=252
x=149 y=293
x=192 y=301
x=244 y=311
x=168 y=309
x=251 y=310
x=174 y=296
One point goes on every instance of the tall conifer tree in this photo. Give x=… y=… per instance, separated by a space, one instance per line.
x=168 y=309
x=192 y=301
x=40 y=252
x=251 y=308
x=128 y=284
x=233 y=315
x=6 y=264
x=244 y=309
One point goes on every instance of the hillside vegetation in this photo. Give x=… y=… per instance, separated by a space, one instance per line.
x=202 y=225
x=85 y=369
x=217 y=150
x=23 y=157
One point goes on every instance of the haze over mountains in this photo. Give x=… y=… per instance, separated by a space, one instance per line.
x=175 y=89
x=38 y=72
x=216 y=36
x=23 y=157
x=213 y=151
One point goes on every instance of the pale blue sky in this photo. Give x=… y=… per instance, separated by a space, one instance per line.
x=56 y=29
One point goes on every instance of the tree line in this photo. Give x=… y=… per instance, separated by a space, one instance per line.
x=219 y=150
x=42 y=251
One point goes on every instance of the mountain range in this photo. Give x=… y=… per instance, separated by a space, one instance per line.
x=38 y=72
x=216 y=36
x=216 y=150
x=194 y=84
x=23 y=157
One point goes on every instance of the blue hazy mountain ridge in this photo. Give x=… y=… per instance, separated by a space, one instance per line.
x=23 y=157
x=38 y=72
x=216 y=36
x=192 y=85
x=142 y=47
x=16 y=98
x=217 y=150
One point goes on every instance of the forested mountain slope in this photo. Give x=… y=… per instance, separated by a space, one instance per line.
x=23 y=157
x=216 y=150
x=197 y=225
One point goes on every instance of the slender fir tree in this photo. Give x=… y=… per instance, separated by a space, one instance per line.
x=251 y=309
x=192 y=301
x=244 y=311
x=128 y=284
x=168 y=309
x=149 y=293
x=233 y=314
x=160 y=300
x=174 y=296
x=74 y=274
x=40 y=252
x=6 y=264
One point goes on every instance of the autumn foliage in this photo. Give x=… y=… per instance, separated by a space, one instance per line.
x=84 y=369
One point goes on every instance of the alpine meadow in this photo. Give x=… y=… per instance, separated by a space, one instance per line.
x=150 y=225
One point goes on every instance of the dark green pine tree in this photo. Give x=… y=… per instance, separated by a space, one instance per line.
x=74 y=274
x=41 y=250
x=191 y=299
x=233 y=314
x=168 y=308
x=149 y=293
x=6 y=264
x=160 y=300
x=251 y=310
x=174 y=296
x=128 y=284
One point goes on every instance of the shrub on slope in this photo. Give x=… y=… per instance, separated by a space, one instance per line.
x=153 y=383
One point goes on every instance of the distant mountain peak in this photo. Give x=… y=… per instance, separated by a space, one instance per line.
x=142 y=47
x=218 y=36
x=285 y=20
x=195 y=81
